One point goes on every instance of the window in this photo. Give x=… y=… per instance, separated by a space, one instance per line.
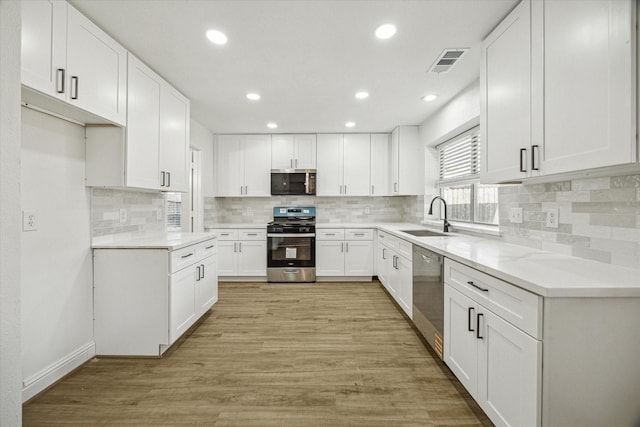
x=174 y=212
x=459 y=181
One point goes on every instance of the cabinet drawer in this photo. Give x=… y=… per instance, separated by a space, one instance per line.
x=405 y=248
x=517 y=306
x=206 y=248
x=225 y=234
x=184 y=257
x=252 y=234
x=330 y=234
x=358 y=234
x=387 y=240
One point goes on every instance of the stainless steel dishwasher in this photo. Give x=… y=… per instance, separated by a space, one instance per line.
x=428 y=296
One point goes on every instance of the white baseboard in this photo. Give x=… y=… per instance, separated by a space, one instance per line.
x=57 y=370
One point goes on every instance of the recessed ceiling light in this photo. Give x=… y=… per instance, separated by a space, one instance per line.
x=385 y=31
x=253 y=96
x=350 y=124
x=362 y=95
x=216 y=37
x=272 y=125
x=429 y=98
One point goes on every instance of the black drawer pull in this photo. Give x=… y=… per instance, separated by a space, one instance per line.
x=478 y=326
x=469 y=328
x=477 y=287
x=187 y=255
x=209 y=247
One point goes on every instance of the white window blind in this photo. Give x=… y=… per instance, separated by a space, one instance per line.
x=460 y=157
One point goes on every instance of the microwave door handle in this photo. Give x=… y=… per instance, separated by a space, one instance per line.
x=306 y=183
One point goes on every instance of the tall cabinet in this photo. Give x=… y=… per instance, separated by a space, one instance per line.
x=544 y=111
x=407 y=162
x=343 y=164
x=380 y=164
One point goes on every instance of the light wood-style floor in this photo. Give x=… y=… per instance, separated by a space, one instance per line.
x=323 y=354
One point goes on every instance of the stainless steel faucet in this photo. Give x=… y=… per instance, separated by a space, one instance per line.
x=446 y=222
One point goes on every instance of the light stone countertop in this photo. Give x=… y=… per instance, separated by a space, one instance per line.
x=169 y=241
x=234 y=225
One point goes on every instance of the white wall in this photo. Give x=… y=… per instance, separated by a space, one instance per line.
x=56 y=267
x=202 y=139
x=10 y=371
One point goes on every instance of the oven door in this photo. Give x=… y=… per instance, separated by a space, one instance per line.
x=291 y=250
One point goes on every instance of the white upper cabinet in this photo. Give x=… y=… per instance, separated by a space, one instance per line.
x=175 y=112
x=558 y=92
x=380 y=164
x=407 y=162
x=343 y=164
x=243 y=165
x=66 y=56
x=293 y=151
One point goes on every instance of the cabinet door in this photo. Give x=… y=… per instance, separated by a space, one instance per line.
x=382 y=265
x=357 y=164
x=230 y=165
x=282 y=152
x=305 y=152
x=227 y=258
x=509 y=372
x=182 y=308
x=329 y=178
x=395 y=162
x=460 y=342
x=329 y=258
x=252 y=258
x=505 y=97
x=143 y=126
x=44 y=46
x=589 y=96
x=257 y=165
x=206 y=285
x=174 y=139
x=404 y=285
x=380 y=164
x=358 y=258
x=96 y=69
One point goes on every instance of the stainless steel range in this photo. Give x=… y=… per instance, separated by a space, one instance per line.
x=291 y=245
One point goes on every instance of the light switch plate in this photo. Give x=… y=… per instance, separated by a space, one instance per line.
x=29 y=221
x=515 y=215
x=553 y=218
x=367 y=211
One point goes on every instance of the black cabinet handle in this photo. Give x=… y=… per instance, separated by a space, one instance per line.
x=534 y=148
x=162 y=173
x=187 y=255
x=60 y=80
x=522 y=163
x=202 y=271
x=198 y=274
x=477 y=287
x=168 y=179
x=469 y=310
x=209 y=247
x=74 y=85
x=478 y=326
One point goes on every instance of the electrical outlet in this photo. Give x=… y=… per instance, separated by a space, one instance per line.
x=29 y=221
x=123 y=215
x=553 y=218
x=367 y=211
x=249 y=211
x=515 y=215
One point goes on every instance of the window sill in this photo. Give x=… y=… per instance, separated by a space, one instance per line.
x=491 y=230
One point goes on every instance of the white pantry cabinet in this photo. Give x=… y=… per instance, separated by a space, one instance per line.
x=407 y=162
x=241 y=252
x=243 y=165
x=67 y=57
x=152 y=151
x=395 y=269
x=380 y=164
x=344 y=253
x=343 y=164
x=293 y=151
x=544 y=112
x=145 y=298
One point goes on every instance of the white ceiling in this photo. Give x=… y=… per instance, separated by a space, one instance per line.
x=306 y=58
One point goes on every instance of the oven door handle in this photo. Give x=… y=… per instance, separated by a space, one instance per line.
x=291 y=235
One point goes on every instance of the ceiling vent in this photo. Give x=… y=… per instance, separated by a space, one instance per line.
x=447 y=59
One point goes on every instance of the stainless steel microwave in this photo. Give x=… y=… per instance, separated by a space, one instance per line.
x=293 y=182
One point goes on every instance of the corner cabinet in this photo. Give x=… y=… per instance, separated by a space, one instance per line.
x=243 y=165
x=544 y=112
x=344 y=164
x=293 y=151
x=145 y=299
x=69 y=59
x=407 y=162
x=152 y=151
x=394 y=266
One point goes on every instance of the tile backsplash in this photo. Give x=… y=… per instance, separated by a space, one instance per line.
x=329 y=209
x=144 y=212
x=599 y=218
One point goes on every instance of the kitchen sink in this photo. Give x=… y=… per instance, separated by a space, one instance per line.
x=423 y=233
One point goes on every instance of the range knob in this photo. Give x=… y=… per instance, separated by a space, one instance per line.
x=305 y=229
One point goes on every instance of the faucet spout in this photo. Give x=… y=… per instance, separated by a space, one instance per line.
x=446 y=221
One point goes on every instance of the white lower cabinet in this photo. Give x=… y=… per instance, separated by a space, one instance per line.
x=241 y=252
x=498 y=363
x=344 y=253
x=395 y=268
x=145 y=299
